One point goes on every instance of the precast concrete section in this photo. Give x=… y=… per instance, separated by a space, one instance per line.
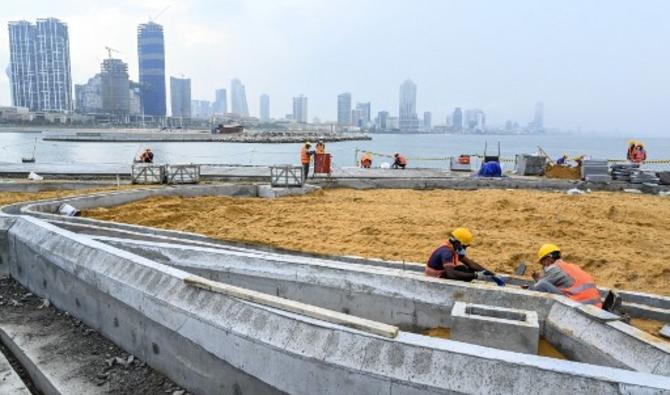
x=210 y=343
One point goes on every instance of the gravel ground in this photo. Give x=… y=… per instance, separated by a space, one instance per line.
x=105 y=364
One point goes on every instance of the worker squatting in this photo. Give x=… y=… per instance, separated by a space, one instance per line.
x=450 y=261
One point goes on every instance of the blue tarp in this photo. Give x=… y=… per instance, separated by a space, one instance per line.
x=490 y=169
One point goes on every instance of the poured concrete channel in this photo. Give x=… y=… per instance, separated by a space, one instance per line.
x=192 y=335
x=211 y=343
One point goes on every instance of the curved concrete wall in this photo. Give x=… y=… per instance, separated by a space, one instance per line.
x=210 y=343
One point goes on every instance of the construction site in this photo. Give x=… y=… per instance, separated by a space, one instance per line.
x=233 y=285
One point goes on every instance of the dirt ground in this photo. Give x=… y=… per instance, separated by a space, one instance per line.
x=619 y=238
x=19 y=306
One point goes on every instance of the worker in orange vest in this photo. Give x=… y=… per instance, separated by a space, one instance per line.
x=631 y=149
x=320 y=147
x=564 y=278
x=450 y=261
x=639 y=153
x=366 y=160
x=305 y=158
x=400 y=161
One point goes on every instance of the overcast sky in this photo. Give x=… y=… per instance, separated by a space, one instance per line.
x=602 y=65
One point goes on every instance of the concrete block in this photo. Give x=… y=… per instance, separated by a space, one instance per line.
x=267 y=191
x=665 y=331
x=506 y=329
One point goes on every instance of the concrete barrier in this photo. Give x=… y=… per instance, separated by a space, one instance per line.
x=210 y=343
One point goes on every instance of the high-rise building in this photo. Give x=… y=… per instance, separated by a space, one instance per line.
x=300 y=109
x=180 y=97
x=201 y=109
x=538 y=118
x=221 y=101
x=40 y=71
x=457 y=119
x=88 y=96
x=344 y=109
x=115 y=87
x=238 y=98
x=265 y=108
x=409 y=122
x=151 y=55
x=382 y=120
x=362 y=115
x=427 y=121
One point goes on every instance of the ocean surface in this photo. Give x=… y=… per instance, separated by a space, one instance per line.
x=419 y=149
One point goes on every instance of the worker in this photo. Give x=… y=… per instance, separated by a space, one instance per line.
x=366 y=160
x=562 y=278
x=450 y=261
x=562 y=161
x=400 y=162
x=320 y=147
x=147 y=156
x=631 y=149
x=639 y=153
x=579 y=159
x=305 y=157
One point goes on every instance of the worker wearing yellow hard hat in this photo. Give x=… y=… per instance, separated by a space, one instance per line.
x=450 y=261
x=631 y=149
x=563 y=278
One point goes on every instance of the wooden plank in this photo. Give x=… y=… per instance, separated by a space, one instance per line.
x=292 y=306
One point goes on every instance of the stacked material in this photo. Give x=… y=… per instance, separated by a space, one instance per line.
x=622 y=172
x=664 y=176
x=530 y=165
x=596 y=170
x=642 y=176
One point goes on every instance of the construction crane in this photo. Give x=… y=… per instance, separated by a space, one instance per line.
x=110 y=50
x=160 y=13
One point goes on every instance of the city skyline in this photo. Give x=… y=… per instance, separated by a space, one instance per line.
x=501 y=71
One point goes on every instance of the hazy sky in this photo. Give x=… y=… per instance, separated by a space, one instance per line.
x=601 y=65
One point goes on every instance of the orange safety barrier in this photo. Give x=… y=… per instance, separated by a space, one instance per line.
x=464 y=160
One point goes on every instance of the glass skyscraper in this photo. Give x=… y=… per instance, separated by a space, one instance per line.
x=409 y=122
x=39 y=69
x=151 y=54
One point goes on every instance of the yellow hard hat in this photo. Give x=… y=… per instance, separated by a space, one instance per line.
x=463 y=235
x=565 y=156
x=640 y=144
x=632 y=142
x=546 y=249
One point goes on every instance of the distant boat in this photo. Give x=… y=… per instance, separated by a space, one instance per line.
x=227 y=129
x=31 y=159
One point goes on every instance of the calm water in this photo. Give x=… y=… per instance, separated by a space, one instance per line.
x=13 y=146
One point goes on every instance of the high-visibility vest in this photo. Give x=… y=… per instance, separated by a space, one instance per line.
x=304 y=156
x=639 y=155
x=402 y=160
x=430 y=272
x=584 y=288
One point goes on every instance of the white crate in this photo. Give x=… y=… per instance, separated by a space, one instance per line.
x=147 y=173
x=182 y=174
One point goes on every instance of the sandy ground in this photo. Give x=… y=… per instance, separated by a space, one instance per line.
x=620 y=238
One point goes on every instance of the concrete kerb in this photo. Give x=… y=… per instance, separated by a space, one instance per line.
x=157 y=312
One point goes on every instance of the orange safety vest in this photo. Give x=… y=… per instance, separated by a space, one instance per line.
x=320 y=149
x=402 y=160
x=304 y=156
x=584 y=289
x=639 y=155
x=630 y=153
x=430 y=272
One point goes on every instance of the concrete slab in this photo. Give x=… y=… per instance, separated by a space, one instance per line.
x=268 y=192
x=10 y=382
x=497 y=327
x=51 y=372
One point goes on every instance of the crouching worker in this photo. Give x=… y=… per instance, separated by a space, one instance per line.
x=564 y=278
x=449 y=260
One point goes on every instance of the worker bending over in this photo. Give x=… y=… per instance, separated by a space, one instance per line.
x=450 y=261
x=400 y=162
x=320 y=147
x=305 y=157
x=563 y=160
x=147 y=156
x=564 y=278
x=366 y=160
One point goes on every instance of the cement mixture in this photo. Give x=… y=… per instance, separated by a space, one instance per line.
x=618 y=238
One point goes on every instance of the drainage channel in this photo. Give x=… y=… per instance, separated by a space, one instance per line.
x=53 y=352
x=19 y=370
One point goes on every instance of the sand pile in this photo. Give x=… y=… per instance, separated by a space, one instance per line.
x=619 y=238
x=571 y=173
